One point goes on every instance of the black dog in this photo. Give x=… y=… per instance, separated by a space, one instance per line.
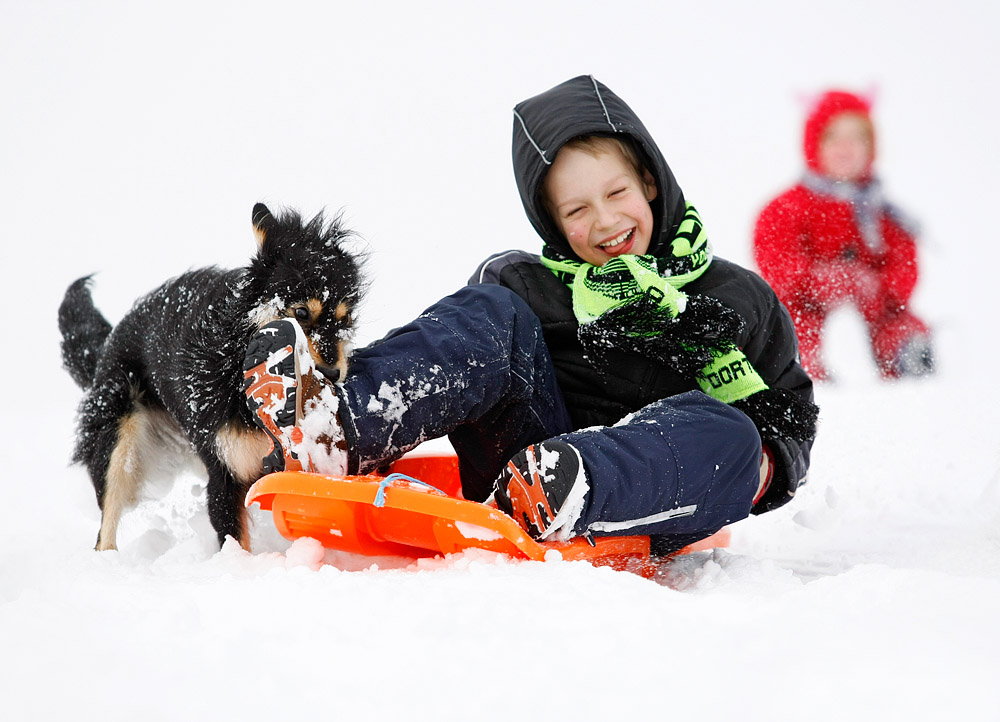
x=173 y=366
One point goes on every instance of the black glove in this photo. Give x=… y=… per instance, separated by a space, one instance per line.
x=683 y=342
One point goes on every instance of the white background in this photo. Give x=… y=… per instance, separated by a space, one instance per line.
x=135 y=139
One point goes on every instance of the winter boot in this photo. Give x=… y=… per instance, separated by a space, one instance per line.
x=543 y=489
x=276 y=362
x=916 y=358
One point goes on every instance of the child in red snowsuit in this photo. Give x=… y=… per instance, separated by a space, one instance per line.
x=833 y=239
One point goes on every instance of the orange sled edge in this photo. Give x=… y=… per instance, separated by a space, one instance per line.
x=406 y=517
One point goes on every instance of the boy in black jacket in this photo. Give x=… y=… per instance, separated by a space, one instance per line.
x=623 y=382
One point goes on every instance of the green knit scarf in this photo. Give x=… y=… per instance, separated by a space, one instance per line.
x=625 y=279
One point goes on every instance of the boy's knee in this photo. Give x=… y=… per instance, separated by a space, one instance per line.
x=744 y=432
x=744 y=438
x=723 y=427
x=498 y=311
x=498 y=300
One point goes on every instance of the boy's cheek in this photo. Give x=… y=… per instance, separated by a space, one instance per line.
x=576 y=239
x=580 y=246
x=574 y=231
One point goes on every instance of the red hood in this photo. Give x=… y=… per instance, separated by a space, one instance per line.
x=829 y=105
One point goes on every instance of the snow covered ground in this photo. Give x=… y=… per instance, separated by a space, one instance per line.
x=136 y=137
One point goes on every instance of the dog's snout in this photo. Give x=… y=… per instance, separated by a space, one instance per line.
x=332 y=374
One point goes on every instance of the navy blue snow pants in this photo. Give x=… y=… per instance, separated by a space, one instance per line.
x=475 y=367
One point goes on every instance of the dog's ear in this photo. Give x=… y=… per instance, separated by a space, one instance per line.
x=263 y=222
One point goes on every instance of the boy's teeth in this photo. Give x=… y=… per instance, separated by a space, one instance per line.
x=615 y=241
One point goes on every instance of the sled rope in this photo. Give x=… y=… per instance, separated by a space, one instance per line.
x=380 y=495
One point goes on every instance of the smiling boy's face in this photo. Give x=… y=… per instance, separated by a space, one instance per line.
x=600 y=203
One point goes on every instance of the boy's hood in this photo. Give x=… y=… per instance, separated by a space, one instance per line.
x=584 y=106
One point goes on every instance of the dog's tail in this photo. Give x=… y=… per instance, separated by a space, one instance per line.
x=84 y=331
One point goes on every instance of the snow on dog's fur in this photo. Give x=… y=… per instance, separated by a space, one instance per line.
x=173 y=365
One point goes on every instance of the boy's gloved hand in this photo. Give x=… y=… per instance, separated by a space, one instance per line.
x=644 y=325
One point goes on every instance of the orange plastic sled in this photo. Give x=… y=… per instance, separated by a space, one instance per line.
x=417 y=511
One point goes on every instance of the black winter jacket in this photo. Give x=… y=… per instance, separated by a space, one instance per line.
x=596 y=398
x=583 y=106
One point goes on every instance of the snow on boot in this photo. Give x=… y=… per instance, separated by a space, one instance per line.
x=543 y=488
x=272 y=369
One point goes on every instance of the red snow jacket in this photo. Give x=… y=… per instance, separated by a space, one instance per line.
x=809 y=246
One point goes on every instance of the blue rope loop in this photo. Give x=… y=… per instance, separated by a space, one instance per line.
x=380 y=496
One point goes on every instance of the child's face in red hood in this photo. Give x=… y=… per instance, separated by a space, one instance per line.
x=845 y=149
